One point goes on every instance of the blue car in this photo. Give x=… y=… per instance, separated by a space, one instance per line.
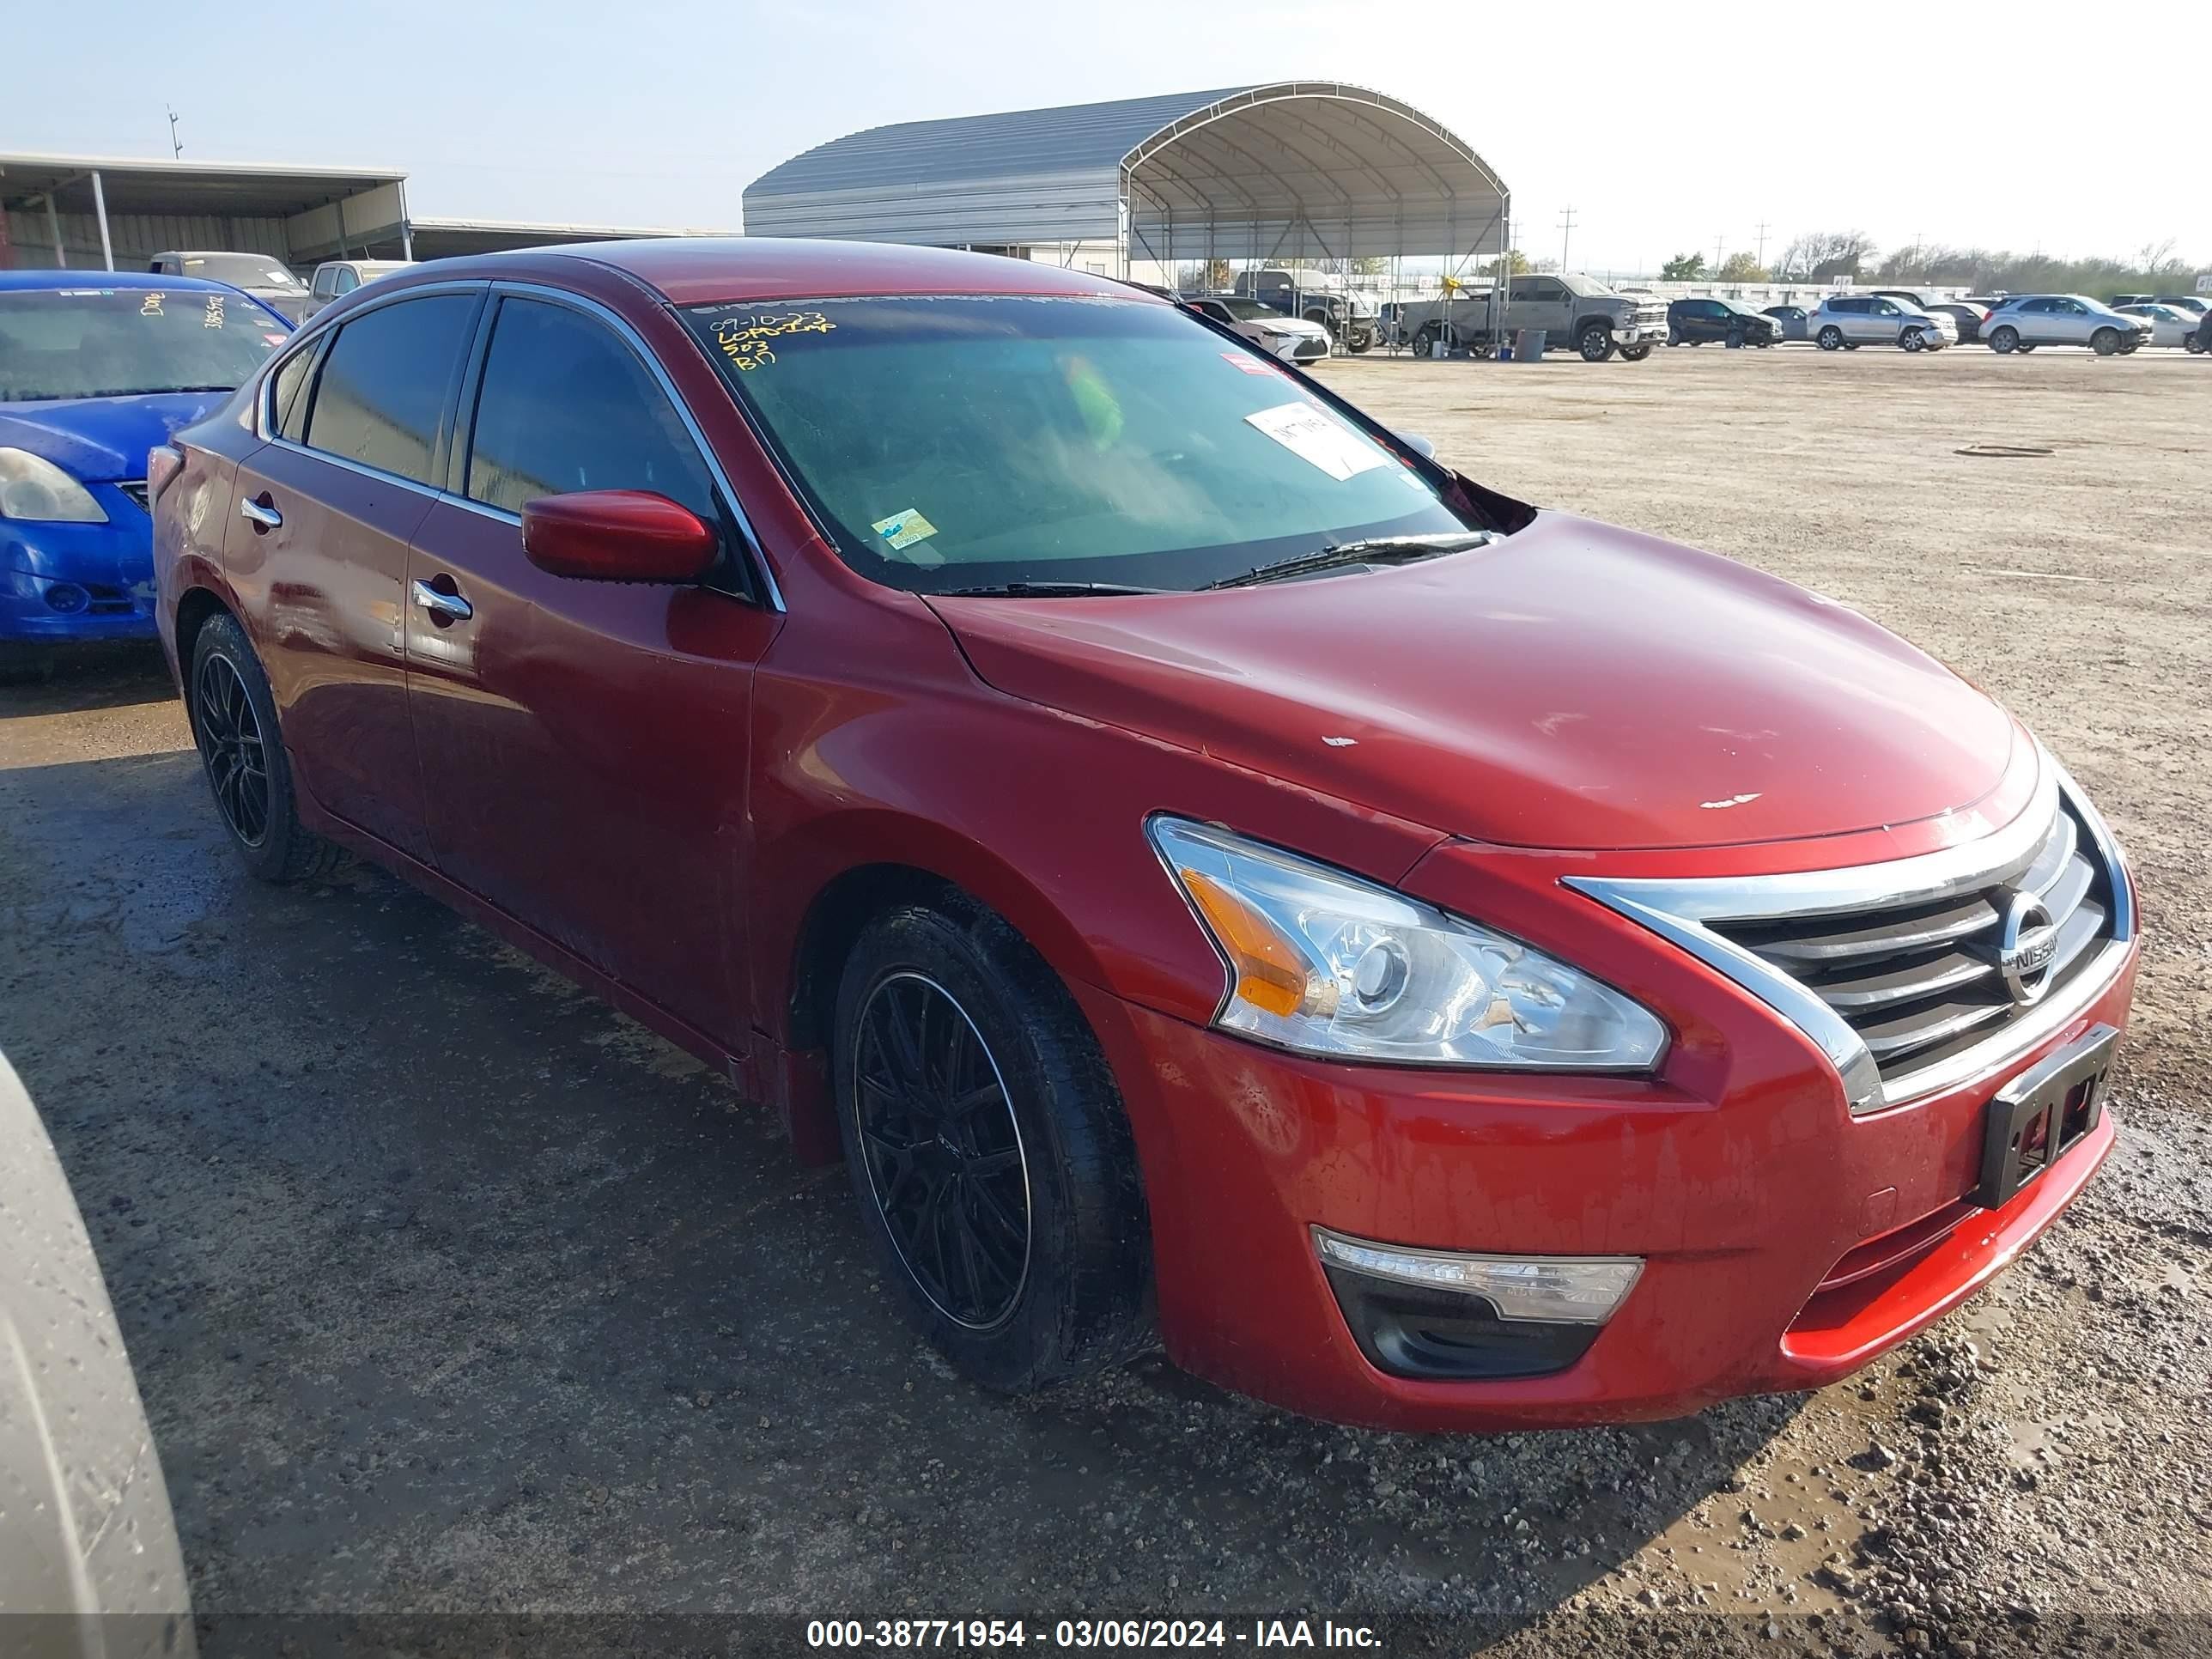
x=97 y=367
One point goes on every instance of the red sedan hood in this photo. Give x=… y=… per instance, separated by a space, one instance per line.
x=1575 y=686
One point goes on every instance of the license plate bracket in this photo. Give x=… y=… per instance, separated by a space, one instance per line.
x=2043 y=1114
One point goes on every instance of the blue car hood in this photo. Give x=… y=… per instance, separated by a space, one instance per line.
x=100 y=439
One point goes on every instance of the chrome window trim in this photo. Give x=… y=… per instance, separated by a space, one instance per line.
x=1680 y=910
x=771 y=593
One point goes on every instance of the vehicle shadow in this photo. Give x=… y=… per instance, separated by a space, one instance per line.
x=99 y=676
x=449 y=1289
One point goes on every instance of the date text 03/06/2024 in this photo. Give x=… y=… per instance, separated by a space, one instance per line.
x=1084 y=1633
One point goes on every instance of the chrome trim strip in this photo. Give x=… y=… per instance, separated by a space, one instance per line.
x=636 y=340
x=1679 y=910
x=360 y=467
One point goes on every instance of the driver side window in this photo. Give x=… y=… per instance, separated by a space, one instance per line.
x=565 y=405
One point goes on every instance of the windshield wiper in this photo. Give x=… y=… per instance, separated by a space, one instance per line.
x=1376 y=550
x=1041 y=590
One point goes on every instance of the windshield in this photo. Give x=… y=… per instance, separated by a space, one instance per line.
x=239 y=271
x=104 y=343
x=1250 y=311
x=949 y=443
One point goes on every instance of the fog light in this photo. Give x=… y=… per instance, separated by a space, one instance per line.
x=67 y=598
x=1440 y=1316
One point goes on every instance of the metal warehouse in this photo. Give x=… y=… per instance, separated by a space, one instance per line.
x=1292 y=169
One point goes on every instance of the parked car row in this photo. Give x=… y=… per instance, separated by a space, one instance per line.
x=268 y=280
x=706 y=618
x=2008 y=323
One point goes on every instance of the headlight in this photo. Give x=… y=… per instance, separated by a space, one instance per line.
x=1326 y=963
x=32 y=487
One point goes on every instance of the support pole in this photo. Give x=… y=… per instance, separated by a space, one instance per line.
x=54 y=224
x=406 y=228
x=100 y=207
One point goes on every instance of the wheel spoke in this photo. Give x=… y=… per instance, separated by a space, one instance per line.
x=938 y=1140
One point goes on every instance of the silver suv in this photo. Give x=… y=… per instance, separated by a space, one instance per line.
x=2028 y=320
x=1844 y=322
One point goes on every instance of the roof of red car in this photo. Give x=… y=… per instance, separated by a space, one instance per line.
x=703 y=270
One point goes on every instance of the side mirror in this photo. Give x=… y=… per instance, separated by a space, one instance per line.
x=617 y=536
x=1421 y=445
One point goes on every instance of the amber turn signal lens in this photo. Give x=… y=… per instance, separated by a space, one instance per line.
x=1271 y=973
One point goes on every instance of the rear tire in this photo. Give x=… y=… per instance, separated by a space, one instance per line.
x=1832 y=338
x=2004 y=341
x=234 y=720
x=957 y=1047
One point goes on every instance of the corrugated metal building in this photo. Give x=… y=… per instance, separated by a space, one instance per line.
x=1288 y=169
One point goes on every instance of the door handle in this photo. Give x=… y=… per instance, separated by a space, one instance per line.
x=443 y=607
x=261 y=514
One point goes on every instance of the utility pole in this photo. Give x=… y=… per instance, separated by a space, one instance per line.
x=176 y=144
x=1762 y=244
x=1567 y=231
x=1719 y=238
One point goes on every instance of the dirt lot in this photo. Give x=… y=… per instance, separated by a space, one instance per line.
x=452 y=1292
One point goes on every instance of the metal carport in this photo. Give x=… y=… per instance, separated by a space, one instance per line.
x=106 y=211
x=1289 y=169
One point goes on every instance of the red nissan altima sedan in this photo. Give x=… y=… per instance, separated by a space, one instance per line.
x=1220 y=879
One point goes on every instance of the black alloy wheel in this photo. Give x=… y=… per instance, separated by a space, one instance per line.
x=942 y=1150
x=232 y=748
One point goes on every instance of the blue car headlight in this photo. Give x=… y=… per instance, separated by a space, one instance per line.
x=34 y=488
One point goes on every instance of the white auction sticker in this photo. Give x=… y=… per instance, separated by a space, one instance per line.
x=1312 y=436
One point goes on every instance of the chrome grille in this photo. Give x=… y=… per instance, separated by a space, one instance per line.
x=1893 y=969
x=134 y=489
x=1919 y=981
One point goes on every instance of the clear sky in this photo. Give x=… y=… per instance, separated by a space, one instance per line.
x=1666 y=127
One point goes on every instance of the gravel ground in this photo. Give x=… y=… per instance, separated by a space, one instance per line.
x=452 y=1293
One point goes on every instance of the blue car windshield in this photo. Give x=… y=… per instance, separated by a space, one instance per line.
x=951 y=442
x=107 y=343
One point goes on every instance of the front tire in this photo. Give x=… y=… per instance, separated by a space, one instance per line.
x=1595 y=344
x=2104 y=342
x=1913 y=340
x=1637 y=353
x=1832 y=338
x=995 y=1171
x=234 y=720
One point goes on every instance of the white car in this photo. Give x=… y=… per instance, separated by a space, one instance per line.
x=2026 y=321
x=2170 y=326
x=1293 y=339
x=1844 y=322
x=336 y=278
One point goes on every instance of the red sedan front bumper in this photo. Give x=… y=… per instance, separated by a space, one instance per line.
x=1786 y=1243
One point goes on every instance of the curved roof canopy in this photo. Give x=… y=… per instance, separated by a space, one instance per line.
x=1290 y=169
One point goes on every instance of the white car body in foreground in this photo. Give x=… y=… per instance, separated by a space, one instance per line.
x=1293 y=339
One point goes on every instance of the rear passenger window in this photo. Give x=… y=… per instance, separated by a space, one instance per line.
x=384 y=384
x=565 y=405
x=288 y=410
